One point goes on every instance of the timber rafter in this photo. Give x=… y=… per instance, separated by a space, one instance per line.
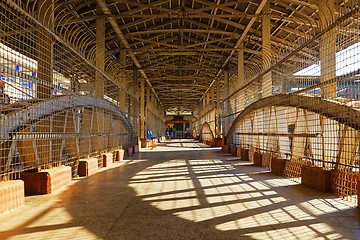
x=197 y=38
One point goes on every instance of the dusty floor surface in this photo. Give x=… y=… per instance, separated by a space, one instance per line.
x=183 y=190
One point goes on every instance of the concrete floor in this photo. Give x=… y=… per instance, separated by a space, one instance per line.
x=183 y=190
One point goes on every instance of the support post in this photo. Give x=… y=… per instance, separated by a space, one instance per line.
x=226 y=103
x=213 y=89
x=142 y=108
x=241 y=76
x=266 y=51
x=122 y=94
x=218 y=109
x=328 y=49
x=100 y=53
x=45 y=49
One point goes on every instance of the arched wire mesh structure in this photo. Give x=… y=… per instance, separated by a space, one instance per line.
x=301 y=104
x=53 y=112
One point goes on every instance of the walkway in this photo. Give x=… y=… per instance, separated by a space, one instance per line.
x=183 y=190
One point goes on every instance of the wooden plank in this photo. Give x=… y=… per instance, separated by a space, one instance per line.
x=314 y=126
x=110 y=125
x=58 y=125
x=348 y=147
x=95 y=141
x=282 y=127
x=71 y=143
x=43 y=145
x=255 y=129
x=330 y=139
x=117 y=130
x=85 y=128
x=298 y=143
x=248 y=124
x=261 y=115
x=274 y=134
x=26 y=150
x=4 y=153
x=101 y=129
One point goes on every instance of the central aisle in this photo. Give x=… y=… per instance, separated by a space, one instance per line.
x=183 y=190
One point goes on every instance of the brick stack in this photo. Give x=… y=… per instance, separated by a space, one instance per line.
x=12 y=195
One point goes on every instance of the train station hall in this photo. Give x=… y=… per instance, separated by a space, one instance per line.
x=179 y=119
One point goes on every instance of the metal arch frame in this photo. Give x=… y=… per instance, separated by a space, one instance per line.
x=201 y=130
x=12 y=121
x=332 y=109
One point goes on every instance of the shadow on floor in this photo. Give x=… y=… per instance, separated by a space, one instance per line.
x=190 y=195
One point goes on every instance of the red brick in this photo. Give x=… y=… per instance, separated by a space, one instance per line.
x=130 y=151
x=88 y=167
x=315 y=177
x=12 y=195
x=107 y=159
x=233 y=150
x=278 y=166
x=46 y=181
x=217 y=142
x=135 y=149
x=258 y=159
x=358 y=192
x=244 y=154
x=226 y=148
x=119 y=155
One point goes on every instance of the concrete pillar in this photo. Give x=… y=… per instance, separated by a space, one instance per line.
x=142 y=108
x=218 y=109
x=266 y=50
x=100 y=53
x=328 y=49
x=241 y=77
x=45 y=52
x=226 y=103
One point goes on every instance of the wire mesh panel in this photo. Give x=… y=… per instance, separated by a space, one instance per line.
x=155 y=122
x=313 y=121
x=49 y=117
x=206 y=124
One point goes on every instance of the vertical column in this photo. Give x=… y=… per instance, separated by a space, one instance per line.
x=45 y=56
x=241 y=76
x=122 y=78
x=208 y=98
x=328 y=49
x=134 y=104
x=218 y=109
x=100 y=53
x=142 y=108
x=75 y=85
x=213 y=89
x=226 y=103
x=147 y=105
x=45 y=49
x=122 y=58
x=266 y=51
x=122 y=99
